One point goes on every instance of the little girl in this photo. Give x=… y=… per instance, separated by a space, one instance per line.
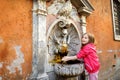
x=88 y=54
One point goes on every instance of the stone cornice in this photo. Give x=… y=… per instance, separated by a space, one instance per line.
x=84 y=7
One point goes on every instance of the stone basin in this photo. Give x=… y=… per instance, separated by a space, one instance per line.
x=69 y=70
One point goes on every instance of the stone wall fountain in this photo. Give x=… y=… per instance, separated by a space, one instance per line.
x=57 y=29
x=64 y=40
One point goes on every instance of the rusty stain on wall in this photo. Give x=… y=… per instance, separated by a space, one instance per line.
x=17 y=63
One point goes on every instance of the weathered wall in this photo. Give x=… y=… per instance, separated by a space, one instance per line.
x=100 y=23
x=15 y=39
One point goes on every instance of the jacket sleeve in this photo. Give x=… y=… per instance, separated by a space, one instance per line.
x=83 y=52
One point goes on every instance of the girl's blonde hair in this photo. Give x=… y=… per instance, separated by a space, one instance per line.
x=91 y=37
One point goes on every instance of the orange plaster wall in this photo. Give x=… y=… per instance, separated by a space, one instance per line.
x=15 y=31
x=100 y=24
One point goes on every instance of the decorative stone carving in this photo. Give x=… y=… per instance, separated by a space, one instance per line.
x=57 y=9
x=65 y=10
x=84 y=7
x=64 y=38
x=41 y=10
x=70 y=70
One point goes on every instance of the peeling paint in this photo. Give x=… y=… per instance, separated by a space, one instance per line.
x=17 y=62
x=111 y=51
x=99 y=51
x=1 y=64
x=0 y=78
x=119 y=50
x=1 y=40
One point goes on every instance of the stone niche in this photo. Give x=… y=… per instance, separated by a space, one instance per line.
x=63 y=33
x=64 y=40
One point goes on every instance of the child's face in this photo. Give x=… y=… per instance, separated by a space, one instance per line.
x=85 y=39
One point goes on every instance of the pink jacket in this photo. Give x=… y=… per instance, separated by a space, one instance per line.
x=88 y=53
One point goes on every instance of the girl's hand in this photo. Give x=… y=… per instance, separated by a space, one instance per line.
x=66 y=58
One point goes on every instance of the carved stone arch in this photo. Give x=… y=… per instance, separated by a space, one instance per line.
x=56 y=21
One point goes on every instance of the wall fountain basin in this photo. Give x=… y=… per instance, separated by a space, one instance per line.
x=69 y=70
x=64 y=40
